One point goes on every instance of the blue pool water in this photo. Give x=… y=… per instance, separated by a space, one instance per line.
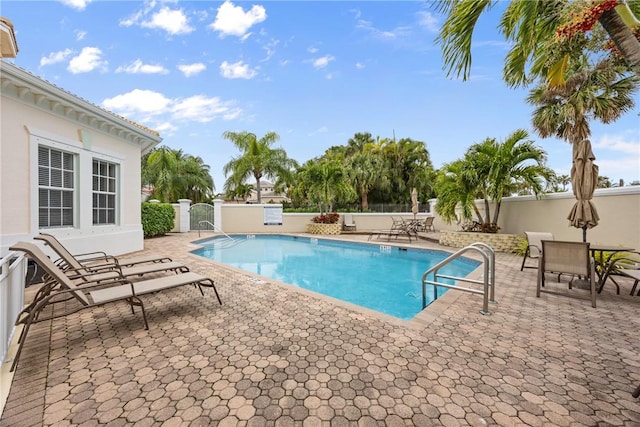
x=380 y=277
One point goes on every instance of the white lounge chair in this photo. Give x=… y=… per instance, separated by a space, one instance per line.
x=59 y=287
x=99 y=262
x=348 y=223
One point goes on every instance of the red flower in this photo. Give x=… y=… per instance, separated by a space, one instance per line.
x=330 y=218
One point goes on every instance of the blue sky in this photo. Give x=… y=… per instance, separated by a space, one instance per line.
x=316 y=73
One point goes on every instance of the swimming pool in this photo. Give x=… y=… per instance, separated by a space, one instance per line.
x=384 y=278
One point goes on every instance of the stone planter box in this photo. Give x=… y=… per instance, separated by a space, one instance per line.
x=499 y=242
x=314 y=228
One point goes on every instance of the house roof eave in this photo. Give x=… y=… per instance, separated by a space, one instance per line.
x=20 y=84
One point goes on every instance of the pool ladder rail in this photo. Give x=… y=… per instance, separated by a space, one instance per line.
x=219 y=230
x=488 y=279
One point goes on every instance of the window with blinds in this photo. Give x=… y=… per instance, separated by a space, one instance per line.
x=104 y=192
x=56 y=188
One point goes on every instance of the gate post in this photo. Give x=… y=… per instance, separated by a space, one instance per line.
x=184 y=225
x=217 y=213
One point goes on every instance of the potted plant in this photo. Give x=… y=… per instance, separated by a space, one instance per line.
x=325 y=224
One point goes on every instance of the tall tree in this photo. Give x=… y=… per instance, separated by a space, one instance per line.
x=597 y=91
x=323 y=182
x=408 y=165
x=531 y=27
x=366 y=170
x=489 y=171
x=195 y=179
x=257 y=159
x=175 y=175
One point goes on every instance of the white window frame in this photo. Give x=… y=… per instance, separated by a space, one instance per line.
x=73 y=189
x=83 y=194
x=116 y=192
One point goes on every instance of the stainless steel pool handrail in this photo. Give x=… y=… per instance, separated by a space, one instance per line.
x=488 y=279
x=215 y=228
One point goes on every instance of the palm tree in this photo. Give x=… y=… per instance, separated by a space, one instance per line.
x=366 y=171
x=195 y=178
x=408 y=165
x=600 y=92
x=514 y=162
x=238 y=192
x=489 y=171
x=564 y=180
x=323 y=182
x=258 y=159
x=456 y=185
x=175 y=175
x=604 y=182
x=358 y=143
x=531 y=27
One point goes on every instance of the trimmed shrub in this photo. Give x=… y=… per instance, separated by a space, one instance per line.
x=157 y=218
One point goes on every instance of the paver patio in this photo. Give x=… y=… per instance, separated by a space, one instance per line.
x=276 y=355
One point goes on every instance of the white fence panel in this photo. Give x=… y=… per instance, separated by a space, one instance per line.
x=13 y=270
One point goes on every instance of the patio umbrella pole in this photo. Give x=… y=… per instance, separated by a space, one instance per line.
x=584 y=233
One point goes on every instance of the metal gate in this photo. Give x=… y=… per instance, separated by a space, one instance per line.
x=201 y=217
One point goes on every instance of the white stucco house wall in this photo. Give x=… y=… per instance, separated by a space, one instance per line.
x=67 y=167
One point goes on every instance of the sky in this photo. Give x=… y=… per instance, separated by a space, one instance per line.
x=314 y=72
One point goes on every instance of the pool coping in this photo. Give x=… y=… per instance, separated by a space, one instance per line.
x=419 y=321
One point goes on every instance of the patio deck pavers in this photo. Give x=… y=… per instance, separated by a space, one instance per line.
x=276 y=355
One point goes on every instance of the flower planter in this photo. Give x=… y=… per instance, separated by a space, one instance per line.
x=500 y=242
x=324 y=228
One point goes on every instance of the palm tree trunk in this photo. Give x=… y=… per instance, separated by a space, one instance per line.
x=622 y=37
x=496 y=213
x=365 y=200
x=487 y=211
x=258 y=189
x=478 y=214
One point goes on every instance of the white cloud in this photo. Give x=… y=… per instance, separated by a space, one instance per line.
x=312 y=49
x=80 y=35
x=270 y=49
x=137 y=67
x=88 y=60
x=428 y=21
x=55 y=57
x=237 y=70
x=76 y=4
x=618 y=155
x=165 y=127
x=201 y=109
x=394 y=34
x=132 y=20
x=138 y=101
x=360 y=65
x=192 y=69
x=619 y=143
x=626 y=168
x=233 y=20
x=172 y=21
x=321 y=129
x=323 y=61
x=148 y=106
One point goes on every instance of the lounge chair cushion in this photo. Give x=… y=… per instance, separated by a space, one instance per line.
x=120 y=292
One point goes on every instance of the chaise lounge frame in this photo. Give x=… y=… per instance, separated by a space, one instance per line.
x=59 y=287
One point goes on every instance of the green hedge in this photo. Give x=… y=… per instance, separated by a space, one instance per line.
x=157 y=218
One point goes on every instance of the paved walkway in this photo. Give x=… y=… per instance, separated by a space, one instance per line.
x=274 y=355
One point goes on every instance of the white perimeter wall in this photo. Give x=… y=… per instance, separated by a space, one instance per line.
x=619 y=210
